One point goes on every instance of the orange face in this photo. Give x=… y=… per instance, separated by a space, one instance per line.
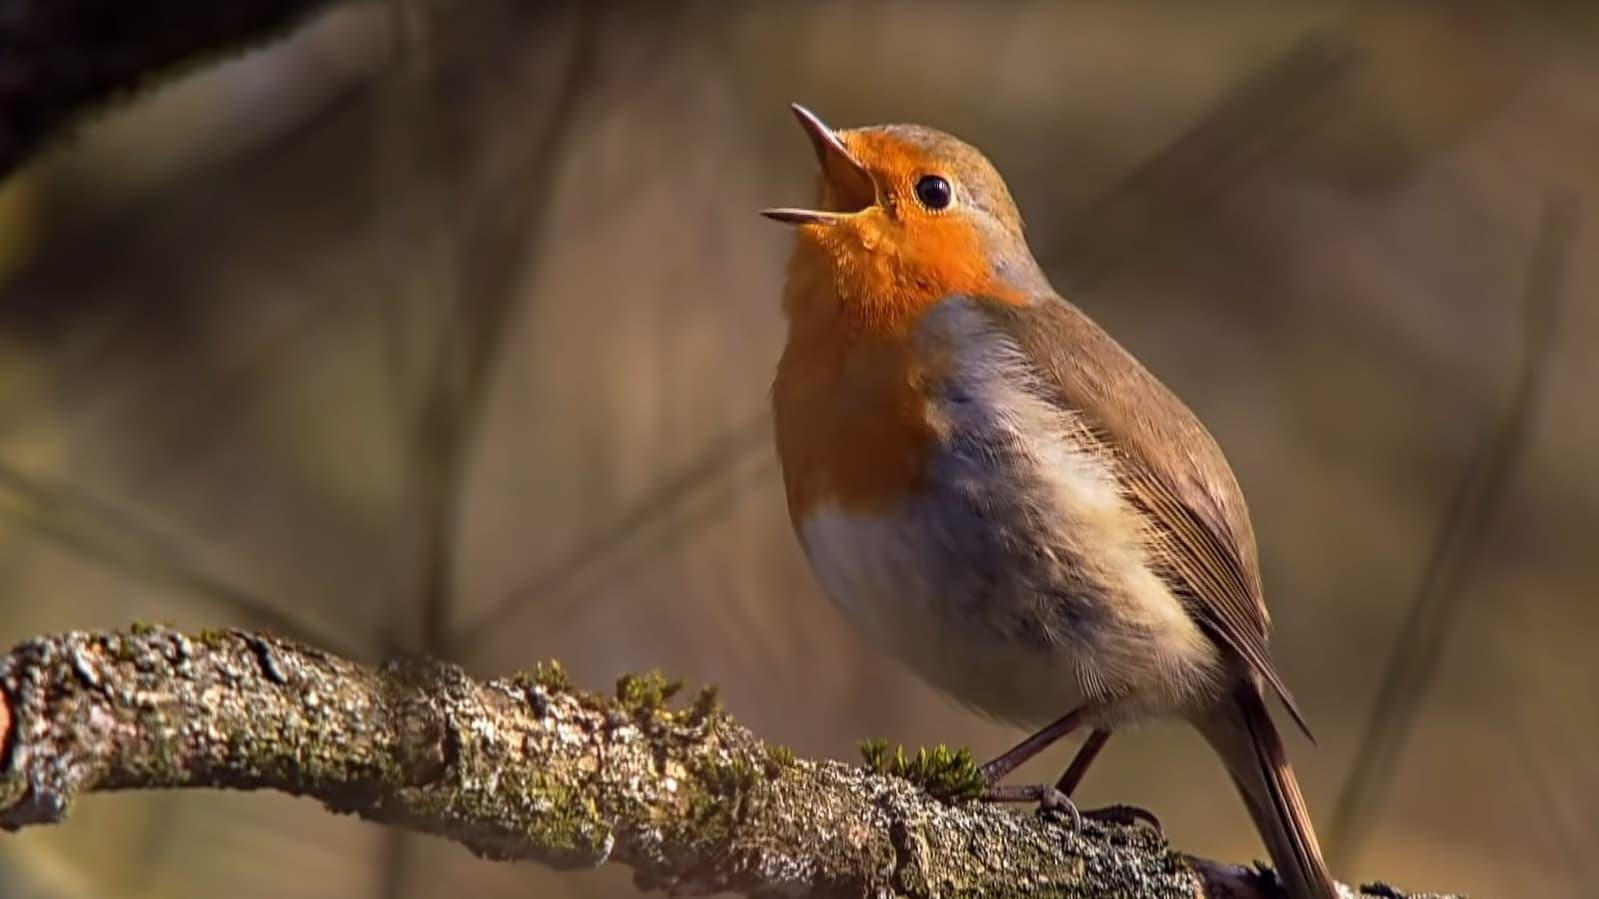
x=907 y=217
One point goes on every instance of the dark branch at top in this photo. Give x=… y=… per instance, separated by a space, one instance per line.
x=62 y=58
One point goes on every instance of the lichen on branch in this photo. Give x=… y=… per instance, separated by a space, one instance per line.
x=531 y=767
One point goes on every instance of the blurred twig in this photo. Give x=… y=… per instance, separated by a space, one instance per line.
x=508 y=219
x=479 y=299
x=1252 y=120
x=1434 y=608
x=95 y=529
x=1550 y=802
x=552 y=587
x=405 y=117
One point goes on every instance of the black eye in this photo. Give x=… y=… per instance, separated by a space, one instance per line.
x=933 y=192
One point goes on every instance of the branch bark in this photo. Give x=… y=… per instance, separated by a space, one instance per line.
x=528 y=767
x=62 y=58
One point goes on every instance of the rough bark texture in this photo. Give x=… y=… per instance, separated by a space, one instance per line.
x=61 y=58
x=528 y=767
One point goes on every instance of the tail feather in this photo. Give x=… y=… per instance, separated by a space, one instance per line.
x=1248 y=743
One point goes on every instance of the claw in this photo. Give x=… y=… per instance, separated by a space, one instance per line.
x=1052 y=801
x=1125 y=816
x=1049 y=799
x=1055 y=802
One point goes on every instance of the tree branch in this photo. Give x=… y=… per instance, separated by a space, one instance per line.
x=528 y=767
x=61 y=58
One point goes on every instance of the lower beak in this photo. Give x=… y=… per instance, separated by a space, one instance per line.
x=789 y=215
x=848 y=184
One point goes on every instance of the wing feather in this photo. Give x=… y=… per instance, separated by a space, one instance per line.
x=1172 y=471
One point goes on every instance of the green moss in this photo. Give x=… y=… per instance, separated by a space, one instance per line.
x=121 y=649
x=942 y=771
x=778 y=759
x=645 y=693
x=644 y=698
x=732 y=777
x=568 y=824
x=560 y=818
x=707 y=706
x=150 y=628
x=875 y=753
x=724 y=794
x=161 y=764
x=551 y=676
x=211 y=637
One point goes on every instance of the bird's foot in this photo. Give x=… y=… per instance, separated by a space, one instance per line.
x=1051 y=802
x=1055 y=804
x=1124 y=816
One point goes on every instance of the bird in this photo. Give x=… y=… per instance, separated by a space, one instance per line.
x=993 y=491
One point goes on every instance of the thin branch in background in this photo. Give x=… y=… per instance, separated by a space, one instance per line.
x=1433 y=613
x=510 y=218
x=96 y=530
x=1251 y=121
x=404 y=123
x=630 y=560
x=1549 y=799
x=478 y=301
x=722 y=459
x=415 y=307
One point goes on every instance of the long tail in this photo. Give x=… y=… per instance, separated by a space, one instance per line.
x=1242 y=733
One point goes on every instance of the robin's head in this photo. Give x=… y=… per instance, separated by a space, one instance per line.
x=909 y=215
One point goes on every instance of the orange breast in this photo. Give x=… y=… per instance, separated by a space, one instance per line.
x=850 y=398
x=850 y=403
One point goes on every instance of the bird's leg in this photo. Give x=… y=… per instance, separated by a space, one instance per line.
x=993 y=772
x=1046 y=796
x=1073 y=775
x=1125 y=815
x=1057 y=798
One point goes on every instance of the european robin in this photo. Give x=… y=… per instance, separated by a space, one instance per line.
x=994 y=491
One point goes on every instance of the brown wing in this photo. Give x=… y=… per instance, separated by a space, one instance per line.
x=1174 y=472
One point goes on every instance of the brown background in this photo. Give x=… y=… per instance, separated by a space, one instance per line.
x=225 y=308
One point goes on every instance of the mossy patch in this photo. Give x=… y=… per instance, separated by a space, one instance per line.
x=569 y=824
x=707 y=706
x=942 y=771
x=645 y=694
x=551 y=676
x=778 y=759
x=122 y=649
x=726 y=792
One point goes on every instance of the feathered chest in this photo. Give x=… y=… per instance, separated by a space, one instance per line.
x=958 y=517
x=939 y=456
x=868 y=420
x=855 y=421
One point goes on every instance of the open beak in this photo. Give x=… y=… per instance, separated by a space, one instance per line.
x=848 y=187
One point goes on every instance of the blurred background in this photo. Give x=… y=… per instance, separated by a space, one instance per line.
x=447 y=327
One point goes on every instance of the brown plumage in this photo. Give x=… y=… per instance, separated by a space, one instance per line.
x=1171 y=468
x=998 y=494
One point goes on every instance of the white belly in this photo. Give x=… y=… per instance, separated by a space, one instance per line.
x=905 y=602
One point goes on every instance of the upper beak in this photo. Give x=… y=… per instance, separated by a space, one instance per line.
x=848 y=184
